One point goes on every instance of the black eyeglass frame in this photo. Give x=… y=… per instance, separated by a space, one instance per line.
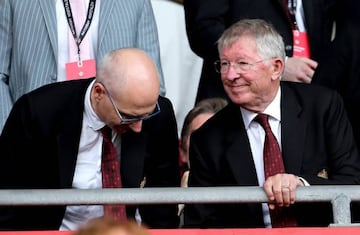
x=132 y=119
x=238 y=66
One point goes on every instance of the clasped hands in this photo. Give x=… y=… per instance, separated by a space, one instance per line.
x=281 y=189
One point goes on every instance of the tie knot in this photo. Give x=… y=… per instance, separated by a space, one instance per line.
x=106 y=132
x=262 y=119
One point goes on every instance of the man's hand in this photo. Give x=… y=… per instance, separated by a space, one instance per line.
x=299 y=69
x=281 y=189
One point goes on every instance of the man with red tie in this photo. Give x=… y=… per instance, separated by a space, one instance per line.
x=54 y=138
x=276 y=135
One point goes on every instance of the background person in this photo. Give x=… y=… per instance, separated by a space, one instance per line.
x=106 y=226
x=36 y=43
x=195 y=118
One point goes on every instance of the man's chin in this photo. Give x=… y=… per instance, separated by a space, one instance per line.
x=121 y=129
x=237 y=98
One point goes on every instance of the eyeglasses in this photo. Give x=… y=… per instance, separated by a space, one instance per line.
x=223 y=66
x=129 y=118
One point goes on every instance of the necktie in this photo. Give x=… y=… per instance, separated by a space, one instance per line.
x=110 y=168
x=79 y=16
x=273 y=164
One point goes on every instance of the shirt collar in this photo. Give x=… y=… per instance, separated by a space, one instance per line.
x=273 y=110
x=94 y=121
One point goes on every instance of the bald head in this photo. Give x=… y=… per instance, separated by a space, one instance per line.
x=127 y=87
x=131 y=76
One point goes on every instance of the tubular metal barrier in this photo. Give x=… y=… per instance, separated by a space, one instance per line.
x=340 y=197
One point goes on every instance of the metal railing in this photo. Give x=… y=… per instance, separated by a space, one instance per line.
x=340 y=197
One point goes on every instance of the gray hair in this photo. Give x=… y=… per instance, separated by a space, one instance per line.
x=110 y=71
x=268 y=41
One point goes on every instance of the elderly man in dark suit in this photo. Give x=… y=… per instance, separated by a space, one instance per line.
x=308 y=139
x=52 y=140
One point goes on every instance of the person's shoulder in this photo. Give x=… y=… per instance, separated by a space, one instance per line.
x=221 y=121
x=313 y=94
x=165 y=103
x=57 y=92
x=308 y=89
x=166 y=114
x=69 y=84
x=164 y=100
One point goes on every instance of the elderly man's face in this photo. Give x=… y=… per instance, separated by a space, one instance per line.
x=248 y=77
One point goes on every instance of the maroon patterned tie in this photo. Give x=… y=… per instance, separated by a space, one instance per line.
x=110 y=169
x=273 y=164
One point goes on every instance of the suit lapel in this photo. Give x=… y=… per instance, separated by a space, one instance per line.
x=308 y=7
x=133 y=150
x=293 y=131
x=312 y=10
x=49 y=14
x=281 y=4
x=283 y=9
x=68 y=137
x=238 y=151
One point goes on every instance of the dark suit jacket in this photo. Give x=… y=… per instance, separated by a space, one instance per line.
x=206 y=20
x=340 y=70
x=39 y=146
x=316 y=135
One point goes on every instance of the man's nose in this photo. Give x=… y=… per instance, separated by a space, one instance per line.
x=136 y=126
x=231 y=74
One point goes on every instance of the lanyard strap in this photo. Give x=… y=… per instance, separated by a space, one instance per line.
x=86 y=26
x=291 y=7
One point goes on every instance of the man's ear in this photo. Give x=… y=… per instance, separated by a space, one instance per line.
x=98 y=91
x=277 y=68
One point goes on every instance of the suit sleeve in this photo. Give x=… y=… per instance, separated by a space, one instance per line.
x=342 y=156
x=161 y=166
x=205 y=22
x=201 y=175
x=17 y=142
x=5 y=52
x=147 y=39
